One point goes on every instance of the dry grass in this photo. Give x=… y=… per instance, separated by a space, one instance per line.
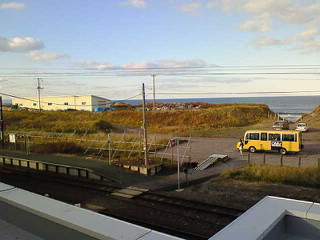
x=124 y=144
x=313 y=118
x=307 y=177
x=217 y=116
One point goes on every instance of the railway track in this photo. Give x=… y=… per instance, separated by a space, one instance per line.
x=176 y=216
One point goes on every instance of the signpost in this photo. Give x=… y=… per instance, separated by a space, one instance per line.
x=109 y=144
x=175 y=142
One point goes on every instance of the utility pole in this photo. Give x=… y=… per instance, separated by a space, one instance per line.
x=1 y=124
x=39 y=88
x=154 y=92
x=144 y=126
x=178 y=161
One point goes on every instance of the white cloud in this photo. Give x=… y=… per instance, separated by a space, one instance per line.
x=266 y=41
x=41 y=56
x=307 y=41
x=307 y=35
x=13 y=5
x=95 y=65
x=143 y=65
x=309 y=47
x=20 y=44
x=261 y=23
x=211 y=4
x=254 y=6
x=181 y=63
x=138 y=65
x=191 y=8
x=136 y=3
x=296 y=12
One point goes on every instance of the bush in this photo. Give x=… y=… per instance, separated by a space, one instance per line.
x=308 y=177
x=58 y=147
x=102 y=126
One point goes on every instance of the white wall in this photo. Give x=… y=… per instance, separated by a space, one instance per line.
x=87 y=103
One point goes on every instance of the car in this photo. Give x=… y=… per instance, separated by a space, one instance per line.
x=302 y=127
x=280 y=125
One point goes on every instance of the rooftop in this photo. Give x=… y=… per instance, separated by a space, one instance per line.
x=28 y=216
x=275 y=218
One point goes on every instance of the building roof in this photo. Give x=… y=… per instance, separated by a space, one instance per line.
x=47 y=214
x=26 y=98
x=275 y=218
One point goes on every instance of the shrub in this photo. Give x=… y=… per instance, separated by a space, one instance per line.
x=102 y=126
x=308 y=177
x=58 y=147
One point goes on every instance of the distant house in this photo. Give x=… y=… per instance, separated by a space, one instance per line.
x=84 y=103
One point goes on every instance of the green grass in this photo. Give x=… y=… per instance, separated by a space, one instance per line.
x=307 y=177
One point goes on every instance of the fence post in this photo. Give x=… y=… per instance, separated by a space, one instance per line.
x=264 y=159
x=155 y=146
x=299 y=162
x=281 y=160
x=249 y=158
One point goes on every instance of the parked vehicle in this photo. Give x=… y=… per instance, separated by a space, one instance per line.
x=280 y=125
x=282 y=141
x=302 y=127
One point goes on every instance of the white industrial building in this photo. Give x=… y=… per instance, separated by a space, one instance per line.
x=86 y=103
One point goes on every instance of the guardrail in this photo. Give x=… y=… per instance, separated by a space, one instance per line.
x=54 y=168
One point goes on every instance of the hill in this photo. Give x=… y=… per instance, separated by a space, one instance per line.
x=313 y=118
x=214 y=117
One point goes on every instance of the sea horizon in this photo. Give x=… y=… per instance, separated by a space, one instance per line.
x=278 y=104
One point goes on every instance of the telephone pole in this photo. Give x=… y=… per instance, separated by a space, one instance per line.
x=1 y=124
x=154 y=92
x=144 y=126
x=39 y=88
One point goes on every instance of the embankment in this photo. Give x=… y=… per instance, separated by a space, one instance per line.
x=215 y=116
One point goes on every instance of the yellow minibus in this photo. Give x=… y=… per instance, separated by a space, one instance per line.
x=282 y=141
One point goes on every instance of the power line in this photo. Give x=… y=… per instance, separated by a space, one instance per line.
x=239 y=93
x=173 y=67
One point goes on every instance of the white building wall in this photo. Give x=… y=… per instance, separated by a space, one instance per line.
x=99 y=102
x=86 y=103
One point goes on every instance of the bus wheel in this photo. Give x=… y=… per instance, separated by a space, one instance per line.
x=283 y=151
x=252 y=149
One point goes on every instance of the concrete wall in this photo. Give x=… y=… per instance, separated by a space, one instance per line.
x=87 y=103
x=51 y=219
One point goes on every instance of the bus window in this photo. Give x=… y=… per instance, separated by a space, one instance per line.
x=288 y=137
x=274 y=136
x=263 y=136
x=253 y=136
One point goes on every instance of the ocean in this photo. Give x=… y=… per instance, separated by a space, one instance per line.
x=284 y=104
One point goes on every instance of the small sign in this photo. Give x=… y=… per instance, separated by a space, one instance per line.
x=173 y=142
x=12 y=138
x=276 y=144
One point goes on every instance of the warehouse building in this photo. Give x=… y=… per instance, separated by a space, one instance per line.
x=83 y=103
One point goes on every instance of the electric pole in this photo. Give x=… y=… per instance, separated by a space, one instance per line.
x=154 y=92
x=39 y=88
x=144 y=126
x=1 y=124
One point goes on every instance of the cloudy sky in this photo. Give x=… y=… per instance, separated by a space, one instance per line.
x=197 y=48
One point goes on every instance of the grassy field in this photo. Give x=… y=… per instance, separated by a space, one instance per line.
x=210 y=117
x=313 y=118
x=307 y=177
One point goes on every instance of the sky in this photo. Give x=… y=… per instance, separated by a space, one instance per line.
x=196 y=48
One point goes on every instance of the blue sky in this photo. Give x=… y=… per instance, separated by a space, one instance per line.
x=109 y=47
